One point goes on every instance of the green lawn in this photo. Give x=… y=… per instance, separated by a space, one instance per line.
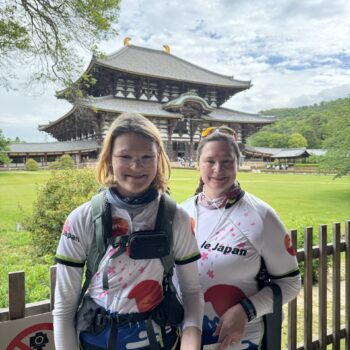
x=17 y=193
x=300 y=200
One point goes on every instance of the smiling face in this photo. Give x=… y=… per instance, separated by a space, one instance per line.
x=134 y=161
x=218 y=168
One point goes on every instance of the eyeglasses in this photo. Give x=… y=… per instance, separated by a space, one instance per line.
x=219 y=130
x=147 y=160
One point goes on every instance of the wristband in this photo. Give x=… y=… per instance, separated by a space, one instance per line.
x=249 y=309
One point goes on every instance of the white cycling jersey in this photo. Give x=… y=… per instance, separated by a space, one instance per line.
x=134 y=285
x=232 y=242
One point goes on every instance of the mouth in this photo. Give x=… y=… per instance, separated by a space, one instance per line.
x=219 y=179
x=136 y=177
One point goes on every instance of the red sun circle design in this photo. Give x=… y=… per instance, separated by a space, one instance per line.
x=223 y=296
x=288 y=245
x=147 y=294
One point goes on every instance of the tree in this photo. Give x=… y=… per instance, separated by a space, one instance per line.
x=16 y=140
x=64 y=162
x=278 y=140
x=31 y=165
x=297 y=140
x=268 y=139
x=52 y=32
x=4 y=159
x=64 y=191
x=337 y=144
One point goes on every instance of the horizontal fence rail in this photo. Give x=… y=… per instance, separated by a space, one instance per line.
x=338 y=251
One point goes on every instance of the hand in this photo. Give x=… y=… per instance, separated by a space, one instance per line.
x=231 y=327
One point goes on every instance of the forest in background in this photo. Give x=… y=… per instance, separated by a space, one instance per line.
x=315 y=124
x=325 y=125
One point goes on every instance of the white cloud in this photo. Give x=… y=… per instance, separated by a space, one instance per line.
x=295 y=53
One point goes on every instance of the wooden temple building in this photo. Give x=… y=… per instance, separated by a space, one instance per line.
x=178 y=96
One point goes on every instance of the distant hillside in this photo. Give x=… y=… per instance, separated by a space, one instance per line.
x=310 y=124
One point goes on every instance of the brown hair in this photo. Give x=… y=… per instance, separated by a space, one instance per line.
x=132 y=123
x=218 y=136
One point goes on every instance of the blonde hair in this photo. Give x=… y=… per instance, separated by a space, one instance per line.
x=132 y=123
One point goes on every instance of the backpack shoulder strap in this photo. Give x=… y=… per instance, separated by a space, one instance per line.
x=102 y=225
x=164 y=222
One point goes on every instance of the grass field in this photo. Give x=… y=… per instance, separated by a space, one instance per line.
x=300 y=200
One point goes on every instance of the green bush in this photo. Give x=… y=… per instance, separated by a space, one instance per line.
x=64 y=191
x=299 y=224
x=64 y=162
x=32 y=165
x=305 y=165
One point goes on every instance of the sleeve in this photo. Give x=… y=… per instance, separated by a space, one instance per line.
x=68 y=286
x=71 y=255
x=191 y=294
x=185 y=244
x=281 y=263
x=76 y=237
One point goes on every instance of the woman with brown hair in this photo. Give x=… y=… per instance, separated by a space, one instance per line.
x=237 y=233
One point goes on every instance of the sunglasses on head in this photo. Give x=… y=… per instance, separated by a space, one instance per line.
x=218 y=130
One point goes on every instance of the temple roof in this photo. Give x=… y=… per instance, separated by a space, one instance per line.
x=155 y=109
x=179 y=102
x=284 y=152
x=159 y=64
x=115 y=104
x=230 y=115
x=291 y=153
x=49 y=147
x=262 y=150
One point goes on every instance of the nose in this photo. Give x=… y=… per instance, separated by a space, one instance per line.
x=218 y=166
x=136 y=163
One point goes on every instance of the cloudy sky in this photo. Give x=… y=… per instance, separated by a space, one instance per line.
x=294 y=52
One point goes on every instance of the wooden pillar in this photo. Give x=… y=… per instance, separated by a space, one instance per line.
x=169 y=146
x=193 y=126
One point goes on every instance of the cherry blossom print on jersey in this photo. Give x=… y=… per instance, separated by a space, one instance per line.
x=67 y=232
x=120 y=227
x=66 y=226
x=204 y=256
x=147 y=294
x=288 y=245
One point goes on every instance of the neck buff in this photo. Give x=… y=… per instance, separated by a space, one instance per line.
x=129 y=203
x=233 y=195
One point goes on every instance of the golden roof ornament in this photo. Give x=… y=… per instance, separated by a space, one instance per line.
x=127 y=41
x=167 y=48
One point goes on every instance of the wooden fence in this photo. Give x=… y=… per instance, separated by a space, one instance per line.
x=338 y=251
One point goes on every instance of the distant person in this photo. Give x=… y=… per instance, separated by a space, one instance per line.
x=127 y=299
x=236 y=233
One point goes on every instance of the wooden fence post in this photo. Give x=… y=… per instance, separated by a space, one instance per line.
x=336 y=286
x=53 y=270
x=292 y=307
x=308 y=288
x=322 y=288
x=17 y=303
x=347 y=284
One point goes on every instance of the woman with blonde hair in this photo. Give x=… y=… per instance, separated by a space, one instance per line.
x=127 y=288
